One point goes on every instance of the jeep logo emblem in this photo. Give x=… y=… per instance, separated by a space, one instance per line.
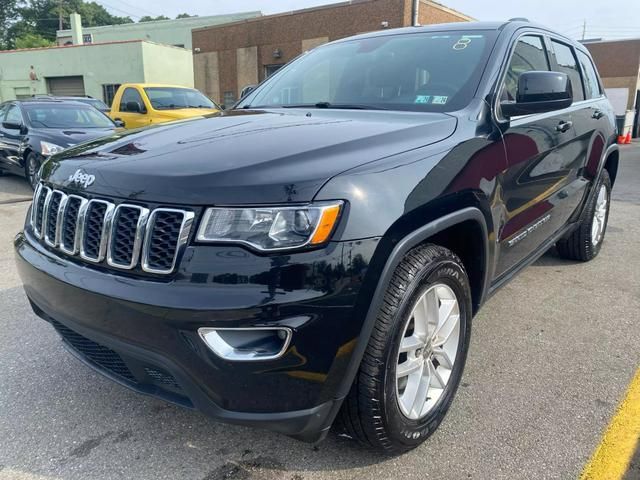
x=82 y=179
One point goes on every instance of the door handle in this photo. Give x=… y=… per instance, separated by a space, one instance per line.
x=598 y=114
x=564 y=126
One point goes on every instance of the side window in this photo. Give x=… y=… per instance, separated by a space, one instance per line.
x=13 y=115
x=528 y=55
x=131 y=95
x=566 y=63
x=3 y=110
x=589 y=75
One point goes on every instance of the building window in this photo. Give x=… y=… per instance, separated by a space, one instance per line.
x=271 y=69
x=228 y=98
x=87 y=38
x=108 y=92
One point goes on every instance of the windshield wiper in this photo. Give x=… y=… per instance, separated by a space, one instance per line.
x=341 y=106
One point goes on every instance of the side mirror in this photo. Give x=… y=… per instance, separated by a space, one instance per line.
x=12 y=126
x=247 y=90
x=539 y=92
x=134 y=107
x=119 y=123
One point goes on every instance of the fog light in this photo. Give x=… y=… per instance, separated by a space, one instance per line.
x=247 y=344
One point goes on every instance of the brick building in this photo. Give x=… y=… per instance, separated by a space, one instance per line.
x=618 y=63
x=231 y=56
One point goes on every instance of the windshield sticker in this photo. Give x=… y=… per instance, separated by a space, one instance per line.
x=462 y=43
x=439 y=99
x=423 y=99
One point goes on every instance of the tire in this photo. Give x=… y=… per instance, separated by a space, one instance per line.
x=583 y=244
x=373 y=412
x=31 y=168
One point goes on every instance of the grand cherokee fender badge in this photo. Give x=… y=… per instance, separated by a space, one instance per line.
x=82 y=179
x=531 y=228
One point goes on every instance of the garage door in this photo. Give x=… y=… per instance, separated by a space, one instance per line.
x=65 y=86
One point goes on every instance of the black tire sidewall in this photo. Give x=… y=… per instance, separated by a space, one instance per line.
x=32 y=157
x=401 y=429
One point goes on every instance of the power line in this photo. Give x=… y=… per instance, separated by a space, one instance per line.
x=138 y=8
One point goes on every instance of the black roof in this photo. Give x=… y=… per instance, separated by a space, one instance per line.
x=512 y=25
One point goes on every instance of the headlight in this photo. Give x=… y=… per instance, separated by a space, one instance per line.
x=50 y=148
x=271 y=228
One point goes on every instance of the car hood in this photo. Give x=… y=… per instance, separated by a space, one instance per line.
x=244 y=157
x=69 y=137
x=184 y=113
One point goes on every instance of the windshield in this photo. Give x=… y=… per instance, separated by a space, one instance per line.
x=168 y=98
x=418 y=71
x=66 y=116
x=94 y=102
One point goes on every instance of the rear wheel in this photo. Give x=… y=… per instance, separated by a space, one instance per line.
x=585 y=242
x=31 y=168
x=416 y=354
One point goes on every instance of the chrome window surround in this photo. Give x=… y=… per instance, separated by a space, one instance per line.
x=144 y=230
x=183 y=237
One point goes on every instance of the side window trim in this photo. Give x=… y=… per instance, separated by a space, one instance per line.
x=561 y=41
x=17 y=107
x=601 y=92
x=504 y=69
x=143 y=106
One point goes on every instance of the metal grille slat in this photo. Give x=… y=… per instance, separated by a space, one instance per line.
x=123 y=236
x=51 y=217
x=167 y=232
x=69 y=224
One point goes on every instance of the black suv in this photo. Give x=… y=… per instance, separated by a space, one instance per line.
x=32 y=130
x=318 y=252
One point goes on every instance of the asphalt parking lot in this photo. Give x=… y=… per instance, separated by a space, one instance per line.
x=551 y=356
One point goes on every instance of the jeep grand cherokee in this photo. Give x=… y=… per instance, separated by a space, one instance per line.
x=318 y=252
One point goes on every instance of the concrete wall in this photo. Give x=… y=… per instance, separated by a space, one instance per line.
x=207 y=78
x=164 y=64
x=291 y=34
x=99 y=65
x=169 y=32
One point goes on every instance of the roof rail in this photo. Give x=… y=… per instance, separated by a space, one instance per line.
x=519 y=19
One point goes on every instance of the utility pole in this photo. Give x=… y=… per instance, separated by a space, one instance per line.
x=584 y=28
x=60 y=17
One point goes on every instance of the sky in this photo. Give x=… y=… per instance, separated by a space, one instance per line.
x=603 y=19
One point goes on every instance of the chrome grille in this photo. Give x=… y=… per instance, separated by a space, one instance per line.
x=125 y=236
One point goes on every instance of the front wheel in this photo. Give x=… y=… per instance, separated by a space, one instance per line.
x=585 y=241
x=32 y=168
x=415 y=357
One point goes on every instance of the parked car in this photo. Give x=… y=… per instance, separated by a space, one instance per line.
x=32 y=130
x=94 y=102
x=143 y=104
x=318 y=252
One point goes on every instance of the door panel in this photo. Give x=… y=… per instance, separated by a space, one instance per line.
x=541 y=154
x=11 y=141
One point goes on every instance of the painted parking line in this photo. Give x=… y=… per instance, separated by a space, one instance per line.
x=613 y=455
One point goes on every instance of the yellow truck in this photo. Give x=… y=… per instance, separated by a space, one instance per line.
x=142 y=104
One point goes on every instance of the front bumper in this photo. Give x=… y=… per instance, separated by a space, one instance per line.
x=142 y=333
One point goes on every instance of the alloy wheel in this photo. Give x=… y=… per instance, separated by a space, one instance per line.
x=599 y=216
x=428 y=351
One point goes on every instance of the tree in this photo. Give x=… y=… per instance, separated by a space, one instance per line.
x=185 y=15
x=32 y=40
x=41 y=17
x=148 y=18
x=8 y=16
